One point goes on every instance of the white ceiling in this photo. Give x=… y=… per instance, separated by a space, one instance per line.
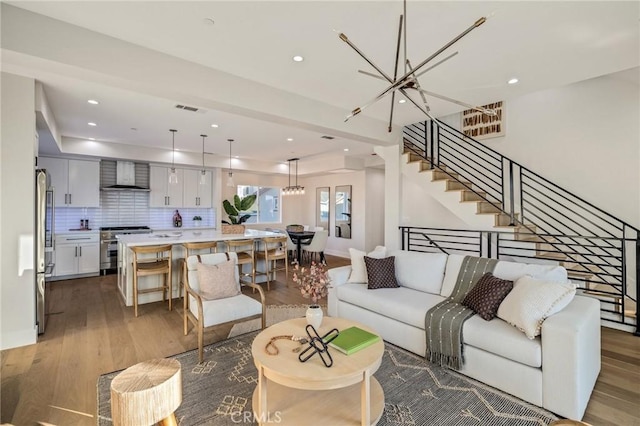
x=544 y=44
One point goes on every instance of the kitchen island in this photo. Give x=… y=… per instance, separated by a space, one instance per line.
x=176 y=238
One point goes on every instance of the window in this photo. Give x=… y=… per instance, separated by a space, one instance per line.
x=266 y=209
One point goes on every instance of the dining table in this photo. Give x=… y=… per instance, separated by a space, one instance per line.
x=300 y=238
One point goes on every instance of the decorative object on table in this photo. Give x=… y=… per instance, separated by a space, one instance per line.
x=177 y=219
x=235 y=213
x=274 y=314
x=480 y=126
x=409 y=80
x=197 y=221
x=272 y=349
x=295 y=189
x=147 y=393
x=353 y=339
x=206 y=402
x=313 y=283
x=318 y=345
x=295 y=228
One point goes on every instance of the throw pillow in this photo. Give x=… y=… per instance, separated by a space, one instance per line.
x=486 y=295
x=381 y=272
x=532 y=301
x=358 y=269
x=218 y=281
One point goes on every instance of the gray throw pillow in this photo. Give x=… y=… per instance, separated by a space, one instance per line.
x=381 y=272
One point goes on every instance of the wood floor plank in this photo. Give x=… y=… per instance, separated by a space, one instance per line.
x=91 y=332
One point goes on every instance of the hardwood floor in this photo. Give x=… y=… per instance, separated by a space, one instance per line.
x=90 y=332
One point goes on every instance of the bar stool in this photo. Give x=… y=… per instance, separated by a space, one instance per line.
x=212 y=246
x=274 y=249
x=246 y=256
x=160 y=264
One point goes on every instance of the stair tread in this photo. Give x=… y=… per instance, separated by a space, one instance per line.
x=552 y=255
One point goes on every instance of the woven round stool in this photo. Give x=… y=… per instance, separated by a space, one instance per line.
x=147 y=393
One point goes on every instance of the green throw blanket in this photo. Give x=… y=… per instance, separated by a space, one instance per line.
x=443 y=322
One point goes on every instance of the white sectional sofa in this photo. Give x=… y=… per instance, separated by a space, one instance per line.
x=556 y=371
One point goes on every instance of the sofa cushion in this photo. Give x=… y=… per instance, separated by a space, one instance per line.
x=498 y=337
x=486 y=295
x=358 y=268
x=420 y=271
x=381 y=273
x=403 y=304
x=514 y=270
x=532 y=301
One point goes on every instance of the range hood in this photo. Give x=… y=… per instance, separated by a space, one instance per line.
x=124 y=176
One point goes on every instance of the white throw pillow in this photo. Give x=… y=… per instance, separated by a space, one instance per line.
x=532 y=301
x=358 y=268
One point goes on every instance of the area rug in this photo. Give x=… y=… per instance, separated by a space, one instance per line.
x=219 y=392
x=275 y=314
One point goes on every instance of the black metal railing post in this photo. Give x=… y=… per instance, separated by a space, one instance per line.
x=431 y=166
x=512 y=216
x=437 y=141
x=637 y=332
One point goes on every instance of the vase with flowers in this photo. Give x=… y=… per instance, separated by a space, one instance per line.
x=313 y=283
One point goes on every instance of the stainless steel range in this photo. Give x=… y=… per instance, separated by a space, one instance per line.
x=109 y=244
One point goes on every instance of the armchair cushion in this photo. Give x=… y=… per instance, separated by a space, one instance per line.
x=218 y=281
x=224 y=310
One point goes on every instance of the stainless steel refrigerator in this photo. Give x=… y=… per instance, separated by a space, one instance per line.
x=44 y=244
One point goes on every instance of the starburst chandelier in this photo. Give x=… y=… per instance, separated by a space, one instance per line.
x=409 y=80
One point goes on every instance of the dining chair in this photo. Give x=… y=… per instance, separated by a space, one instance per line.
x=317 y=245
x=245 y=250
x=203 y=313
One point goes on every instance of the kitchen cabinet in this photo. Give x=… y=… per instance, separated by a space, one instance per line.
x=195 y=193
x=76 y=183
x=77 y=254
x=164 y=194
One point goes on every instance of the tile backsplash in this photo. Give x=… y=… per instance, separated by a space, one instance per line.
x=126 y=208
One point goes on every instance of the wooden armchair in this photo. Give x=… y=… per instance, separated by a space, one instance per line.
x=208 y=313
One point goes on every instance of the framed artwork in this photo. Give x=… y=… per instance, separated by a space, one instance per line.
x=481 y=126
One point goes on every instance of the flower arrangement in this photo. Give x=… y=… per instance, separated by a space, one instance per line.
x=197 y=218
x=313 y=282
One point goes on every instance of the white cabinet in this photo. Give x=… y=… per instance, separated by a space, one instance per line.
x=77 y=254
x=76 y=183
x=164 y=194
x=195 y=193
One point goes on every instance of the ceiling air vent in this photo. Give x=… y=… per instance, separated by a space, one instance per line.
x=187 y=108
x=327 y=137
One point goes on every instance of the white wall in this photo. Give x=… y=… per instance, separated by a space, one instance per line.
x=584 y=137
x=17 y=183
x=374 y=208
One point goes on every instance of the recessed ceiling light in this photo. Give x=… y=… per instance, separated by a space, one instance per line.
x=346 y=149
x=92 y=139
x=290 y=139
x=236 y=156
x=298 y=58
x=215 y=126
x=91 y=124
x=401 y=101
x=93 y=102
x=513 y=81
x=208 y=21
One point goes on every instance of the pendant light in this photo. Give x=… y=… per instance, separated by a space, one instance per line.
x=173 y=176
x=230 y=177
x=296 y=189
x=203 y=172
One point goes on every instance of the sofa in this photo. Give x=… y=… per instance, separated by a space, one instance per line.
x=556 y=370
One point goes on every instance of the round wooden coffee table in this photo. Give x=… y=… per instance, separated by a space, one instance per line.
x=291 y=392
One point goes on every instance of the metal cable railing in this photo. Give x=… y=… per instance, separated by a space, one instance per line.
x=566 y=228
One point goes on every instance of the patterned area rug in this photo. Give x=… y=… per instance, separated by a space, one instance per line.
x=219 y=392
x=275 y=314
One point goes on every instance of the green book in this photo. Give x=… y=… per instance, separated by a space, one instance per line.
x=353 y=339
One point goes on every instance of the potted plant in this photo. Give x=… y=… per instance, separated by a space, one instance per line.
x=313 y=283
x=197 y=220
x=236 y=213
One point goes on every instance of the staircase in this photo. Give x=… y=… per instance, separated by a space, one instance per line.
x=523 y=217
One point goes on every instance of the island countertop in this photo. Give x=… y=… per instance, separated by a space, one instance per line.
x=188 y=236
